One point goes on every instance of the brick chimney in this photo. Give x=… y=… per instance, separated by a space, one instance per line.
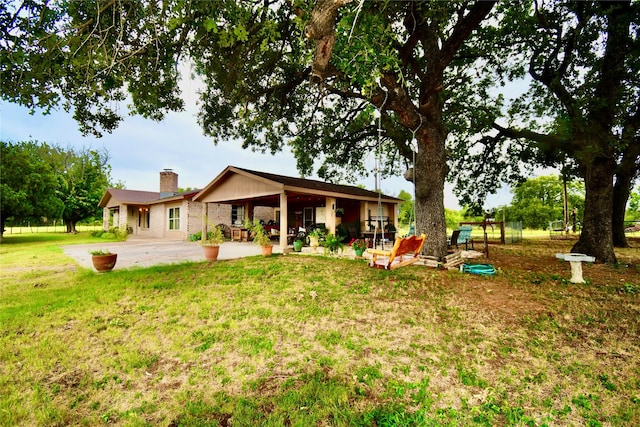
x=168 y=183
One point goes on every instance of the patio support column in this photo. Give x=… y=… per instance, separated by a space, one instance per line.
x=394 y=208
x=204 y=219
x=284 y=226
x=106 y=216
x=330 y=213
x=248 y=209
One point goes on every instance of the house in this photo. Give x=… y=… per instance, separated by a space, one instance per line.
x=285 y=204
x=165 y=214
x=292 y=203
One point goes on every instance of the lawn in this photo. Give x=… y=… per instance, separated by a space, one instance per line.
x=303 y=340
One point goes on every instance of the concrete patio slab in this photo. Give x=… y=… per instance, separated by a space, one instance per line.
x=146 y=252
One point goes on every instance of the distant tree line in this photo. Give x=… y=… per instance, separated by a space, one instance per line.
x=536 y=202
x=44 y=183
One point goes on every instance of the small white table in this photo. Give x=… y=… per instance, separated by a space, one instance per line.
x=576 y=265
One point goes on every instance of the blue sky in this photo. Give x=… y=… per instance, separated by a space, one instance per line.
x=139 y=149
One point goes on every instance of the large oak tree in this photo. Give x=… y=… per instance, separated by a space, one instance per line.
x=582 y=110
x=334 y=79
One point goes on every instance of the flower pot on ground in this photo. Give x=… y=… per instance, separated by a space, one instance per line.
x=103 y=260
x=211 y=252
x=297 y=245
x=261 y=238
x=211 y=245
x=358 y=246
x=333 y=244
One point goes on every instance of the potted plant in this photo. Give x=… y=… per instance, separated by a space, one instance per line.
x=103 y=260
x=333 y=243
x=297 y=244
x=358 y=246
x=261 y=238
x=211 y=243
x=314 y=238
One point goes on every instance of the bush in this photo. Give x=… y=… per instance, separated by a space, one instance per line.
x=120 y=233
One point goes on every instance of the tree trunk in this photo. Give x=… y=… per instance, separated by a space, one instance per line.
x=71 y=226
x=596 y=238
x=625 y=174
x=431 y=171
x=621 y=192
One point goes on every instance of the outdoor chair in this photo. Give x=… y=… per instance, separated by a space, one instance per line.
x=453 y=240
x=465 y=237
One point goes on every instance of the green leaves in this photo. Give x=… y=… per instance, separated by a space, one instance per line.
x=43 y=181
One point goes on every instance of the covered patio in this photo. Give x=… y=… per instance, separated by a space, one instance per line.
x=287 y=204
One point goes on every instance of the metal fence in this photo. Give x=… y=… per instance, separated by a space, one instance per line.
x=513 y=232
x=52 y=228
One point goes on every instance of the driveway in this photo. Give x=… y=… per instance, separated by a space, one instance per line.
x=146 y=252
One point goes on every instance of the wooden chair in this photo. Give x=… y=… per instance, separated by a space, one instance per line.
x=405 y=251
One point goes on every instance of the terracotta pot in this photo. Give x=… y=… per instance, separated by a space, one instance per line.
x=104 y=262
x=267 y=250
x=211 y=252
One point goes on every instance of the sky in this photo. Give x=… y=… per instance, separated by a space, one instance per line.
x=140 y=148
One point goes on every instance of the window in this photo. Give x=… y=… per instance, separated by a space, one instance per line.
x=174 y=218
x=143 y=217
x=237 y=215
x=308 y=217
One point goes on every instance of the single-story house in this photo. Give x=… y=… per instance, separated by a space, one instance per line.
x=285 y=204
x=165 y=214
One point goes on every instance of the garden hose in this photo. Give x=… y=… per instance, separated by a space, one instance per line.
x=481 y=269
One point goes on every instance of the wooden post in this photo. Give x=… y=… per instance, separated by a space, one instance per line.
x=486 y=242
x=330 y=214
x=284 y=226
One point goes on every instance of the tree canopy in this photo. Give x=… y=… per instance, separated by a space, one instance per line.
x=28 y=184
x=537 y=201
x=46 y=181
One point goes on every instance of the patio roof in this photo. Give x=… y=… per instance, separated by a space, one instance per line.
x=295 y=187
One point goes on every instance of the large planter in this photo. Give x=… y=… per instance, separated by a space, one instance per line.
x=104 y=262
x=211 y=252
x=297 y=245
x=267 y=250
x=314 y=242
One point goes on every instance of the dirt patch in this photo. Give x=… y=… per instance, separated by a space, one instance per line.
x=527 y=273
x=501 y=299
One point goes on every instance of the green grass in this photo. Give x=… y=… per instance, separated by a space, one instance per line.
x=303 y=341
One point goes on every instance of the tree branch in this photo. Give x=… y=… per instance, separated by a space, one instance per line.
x=321 y=28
